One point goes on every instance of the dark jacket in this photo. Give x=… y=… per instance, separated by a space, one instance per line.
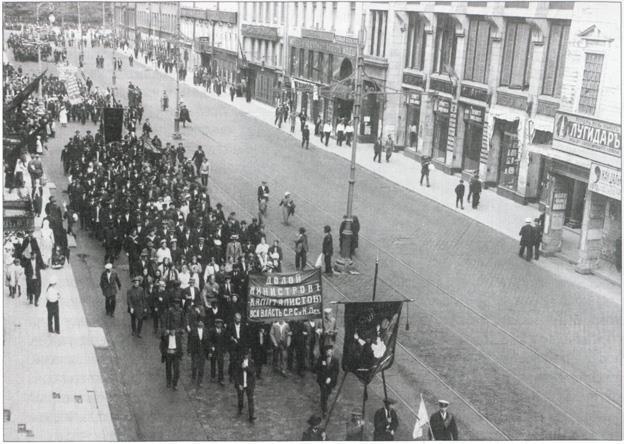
x=197 y=346
x=110 y=286
x=443 y=430
x=324 y=371
x=137 y=302
x=251 y=374
x=29 y=271
x=526 y=235
x=328 y=245
x=383 y=427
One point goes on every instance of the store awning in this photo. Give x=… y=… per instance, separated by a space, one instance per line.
x=504 y=115
x=543 y=123
x=568 y=158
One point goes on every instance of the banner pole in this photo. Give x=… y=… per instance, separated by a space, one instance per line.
x=364 y=398
x=375 y=278
x=331 y=409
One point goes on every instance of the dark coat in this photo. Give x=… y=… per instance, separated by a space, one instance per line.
x=109 y=287
x=324 y=371
x=328 y=245
x=251 y=374
x=29 y=271
x=527 y=235
x=383 y=427
x=443 y=430
x=197 y=346
x=137 y=302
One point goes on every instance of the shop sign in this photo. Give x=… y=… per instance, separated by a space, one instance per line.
x=199 y=14
x=345 y=40
x=221 y=16
x=474 y=114
x=511 y=100
x=414 y=79
x=605 y=180
x=444 y=86
x=260 y=32
x=475 y=93
x=589 y=133
x=316 y=34
x=443 y=106
x=560 y=201
x=414 y=99
x=324 y=46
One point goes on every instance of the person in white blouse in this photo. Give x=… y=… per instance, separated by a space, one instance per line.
x=184 y=277
x=262 y=250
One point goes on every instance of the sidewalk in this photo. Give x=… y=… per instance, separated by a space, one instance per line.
x=53 y=388
x=495 y=211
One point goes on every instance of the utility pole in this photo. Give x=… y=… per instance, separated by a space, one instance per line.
x=80 y=33
x=212 y=48
x=176 y=119
x=103 y=15
x=345 y=250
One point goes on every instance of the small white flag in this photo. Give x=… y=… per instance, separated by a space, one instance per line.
x=422 y=419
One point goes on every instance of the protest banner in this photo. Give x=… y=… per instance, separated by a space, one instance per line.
x=292 y=297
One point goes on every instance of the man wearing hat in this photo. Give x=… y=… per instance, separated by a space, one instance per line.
x=171 y=351
x=327 y=375
x=314 y=432
x=110 y=285
x=355 y=427
x=52 y=304
x=263 y=191
x=526 y=239
x=305 y=137
x=386 y=422
x=199 y=349
x=442 y=424
x=137 y=306
x=245 y=382
x=218 y=347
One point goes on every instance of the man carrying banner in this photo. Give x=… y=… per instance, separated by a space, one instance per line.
x=327 y=375
x=386 y=422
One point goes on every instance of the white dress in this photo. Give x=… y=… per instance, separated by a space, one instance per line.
x=45 y=239
x=63 y=116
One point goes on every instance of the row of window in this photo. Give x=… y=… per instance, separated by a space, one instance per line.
x=164 y=22
x=312 y=65
x=317 y=14
x=260 y=50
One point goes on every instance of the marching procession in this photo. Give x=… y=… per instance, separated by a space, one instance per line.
x=174 y=213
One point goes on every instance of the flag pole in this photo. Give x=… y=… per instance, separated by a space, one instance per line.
x=383 y=373
x=331 y=409
x=428 y=423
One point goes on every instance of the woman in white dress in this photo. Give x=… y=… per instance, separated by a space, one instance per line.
x=262 y=250
x=184 y=277
x=63 y=116
x=45 y=240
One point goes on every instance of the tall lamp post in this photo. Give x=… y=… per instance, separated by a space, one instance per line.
x=176 y=120
x=345 y=249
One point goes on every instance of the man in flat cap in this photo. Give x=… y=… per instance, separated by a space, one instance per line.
x=442 y=424
x=314 y=432
x=386 y=422
x=327 y=375
x=110 y=285
x=137 y=306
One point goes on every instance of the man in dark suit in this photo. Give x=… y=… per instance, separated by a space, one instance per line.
x=32 y=270
x=218 y=347
x=328 y=248
x=171 y=351
x=110 y=285
x=386 y=422
x=245 y=381
x=527 y=239
x=198 y=348
x=137 y=306
x=238 y=342
x=263 y=191
x=327 y=376
x=443 y=424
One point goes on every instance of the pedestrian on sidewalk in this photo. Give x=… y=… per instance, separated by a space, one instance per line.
x=326 y=132
x=389 y=147
x=474 y=191
x=349 y=133
x=171 y=352
x=328 y=249
x=293 y=120
x=305 y=137
x=424 y=170
x=538 y=230
x=232 y=93
x=14 y=274
x=301 y=249
x=459 y=194
x=245 y=381
x=303 y=118
x=137 y=306
x=527 y=239
x=378 y=148
x=317 y=126
x=110 y=285
x=52 y=304
x=278 y=115
x=340 y=130
x=32 y=270
x=204 y=172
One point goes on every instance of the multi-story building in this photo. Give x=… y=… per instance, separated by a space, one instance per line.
x=526 y=94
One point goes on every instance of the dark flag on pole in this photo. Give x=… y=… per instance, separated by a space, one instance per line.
x=23 y=94
x=113 y=124
x=370 y=336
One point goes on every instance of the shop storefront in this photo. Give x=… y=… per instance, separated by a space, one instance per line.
x=263 y=82
x=584 y=189
x=472 y=120
x=441 y=112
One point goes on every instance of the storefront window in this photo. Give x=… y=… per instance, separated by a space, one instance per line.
x=411 y=124
x=509 y=161
x=473 y=136
x=440 y=136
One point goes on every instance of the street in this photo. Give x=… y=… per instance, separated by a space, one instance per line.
x=520 y=352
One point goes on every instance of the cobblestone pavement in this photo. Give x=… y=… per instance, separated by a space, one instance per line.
x=521 y=353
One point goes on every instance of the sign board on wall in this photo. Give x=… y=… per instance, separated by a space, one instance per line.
x=559 y=201
x=585 y=132
x=605 y=180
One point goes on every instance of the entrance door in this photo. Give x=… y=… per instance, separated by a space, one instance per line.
x=472 y=146
x=411 y=125
x=440 y=137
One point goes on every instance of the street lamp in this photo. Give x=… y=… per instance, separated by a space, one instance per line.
x=345 y=249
